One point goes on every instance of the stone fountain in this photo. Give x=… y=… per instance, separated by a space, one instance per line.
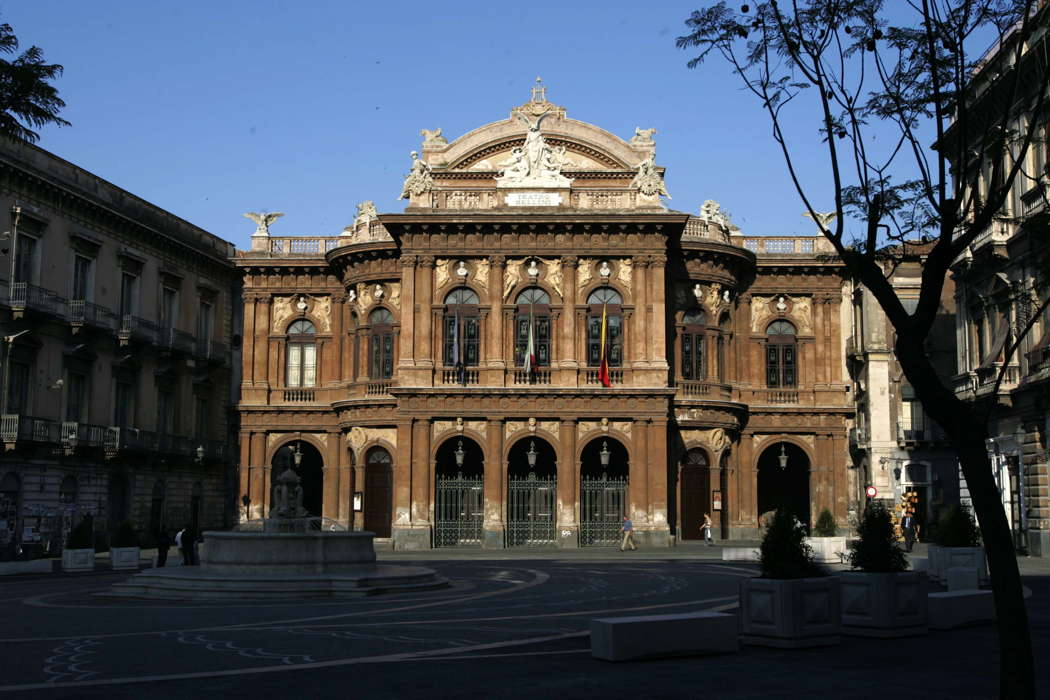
x=287 y=555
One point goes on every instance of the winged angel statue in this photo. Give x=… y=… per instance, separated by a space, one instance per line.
x=534 y=159
x=263 y=220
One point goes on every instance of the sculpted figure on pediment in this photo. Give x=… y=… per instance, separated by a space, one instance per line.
x=643 y=137
x=282 y=310
x=419 y=179
x=511 y=277
x=648 y=180
x=366 y=213
x=433 y=137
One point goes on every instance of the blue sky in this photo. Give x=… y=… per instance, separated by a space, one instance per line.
x=213 y=109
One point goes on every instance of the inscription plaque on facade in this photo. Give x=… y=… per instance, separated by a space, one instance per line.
x=533 y=199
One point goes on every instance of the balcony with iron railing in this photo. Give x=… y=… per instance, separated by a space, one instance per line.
x=86 y=313
x=209 y=349
x=916 y=433
x=15 y=428
x=76 y=434
x=25 y=297
x=175 y=340
x=134 y=328
x=120 y=438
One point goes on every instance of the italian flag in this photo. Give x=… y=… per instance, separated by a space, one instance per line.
x=603 y=367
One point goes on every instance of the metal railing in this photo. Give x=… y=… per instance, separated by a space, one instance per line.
x=134 y=327
x=928 y=432
x=210 y=349
x=77 y=434
x=87 y=313
x=28 y=296
x=174 y=339
x=125 y=438
x=15 y=427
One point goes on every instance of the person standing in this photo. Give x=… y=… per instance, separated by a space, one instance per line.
x=163 y=543
x=908 y=530
x=707 y=529
x=628 y=534
x=182 y=541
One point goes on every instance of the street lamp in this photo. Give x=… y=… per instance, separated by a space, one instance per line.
x=459 y=453
x=604 y=454
x=200 y=454
x=531 y=454
x=783 y=458
x=297 y=455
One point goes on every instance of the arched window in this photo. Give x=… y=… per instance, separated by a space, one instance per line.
x=301 y=362
x=533 y=317
x=608 y=302
x=694 y=358
x=781 y=355
x=381 y=344
x=461 y=328
x=696 y=458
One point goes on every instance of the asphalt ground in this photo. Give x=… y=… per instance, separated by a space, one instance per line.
x=512 y=625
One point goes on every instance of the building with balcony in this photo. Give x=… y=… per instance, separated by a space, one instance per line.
x=1001 y=279
x=117 y=320
x=895 y=446
x=537 y=347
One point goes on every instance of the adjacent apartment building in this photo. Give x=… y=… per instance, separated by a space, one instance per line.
x=116 y=320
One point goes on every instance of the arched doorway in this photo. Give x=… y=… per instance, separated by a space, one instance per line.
x=304 y=459
x=783 y=481
x=117 y=497
x=379 y=491
x=604 y=468
x=696 y=492
x=459 y=501
x=532 y=488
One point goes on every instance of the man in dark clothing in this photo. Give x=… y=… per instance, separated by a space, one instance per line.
x=163 y=543
x=628 y=534
x=908 y=530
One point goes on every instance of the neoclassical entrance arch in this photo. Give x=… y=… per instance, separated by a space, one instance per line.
x=604 y=471
x=695 y=483
x=783 y=480
x=532 y=488
x=459 y=503
x=379 y=491
x=304 y=459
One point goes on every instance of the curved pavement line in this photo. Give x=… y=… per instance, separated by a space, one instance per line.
x=539 y=578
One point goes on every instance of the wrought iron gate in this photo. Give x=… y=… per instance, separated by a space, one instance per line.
x=603 y=502
x=459 y=506
x=530 y=511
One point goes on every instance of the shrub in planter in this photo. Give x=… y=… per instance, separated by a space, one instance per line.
x=826 y=525
x=124 y=548
x=79 y=552
x=958 y=544
x=883 y=598
x=794 y=603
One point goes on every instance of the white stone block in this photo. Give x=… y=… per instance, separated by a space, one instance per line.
x=957 y=608
x=78 y=560
x=740 y=554
x=828 y=550
x=648 y=636
x=790 y=613
x=124 y=558
x=34 y=566
x=920 y=564
x=963 y=578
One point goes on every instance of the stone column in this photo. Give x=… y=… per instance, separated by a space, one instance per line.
x=568 y=330
x=495 y=352
x=568 y=529
x=422 y=467
x=347 y=344
x=346 y=481
x=248 y=342
x=334 y=374
x=657 y=438
x=258 y=468
x=330 y=477
x=821 y=344
x=402 y=515
x=406 y=355
x=655 y=301
x=640 y=339
x=638 y=476
x=494 y=525
x=745 y=505
x=261 y=349
x=425 y=351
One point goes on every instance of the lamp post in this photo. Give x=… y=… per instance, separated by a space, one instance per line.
x=604 y=454
x=531 y=455
x=459 y=454
x=200 y=454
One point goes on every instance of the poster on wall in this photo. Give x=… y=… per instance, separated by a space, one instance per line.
x=716 y=500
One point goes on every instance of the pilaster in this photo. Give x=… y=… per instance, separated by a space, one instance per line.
x=568 y=478
x=494 y=525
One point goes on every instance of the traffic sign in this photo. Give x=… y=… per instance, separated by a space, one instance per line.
x=872 y=492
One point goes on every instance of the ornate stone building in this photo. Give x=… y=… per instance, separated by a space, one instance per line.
x=116 y=319
x=437 y=376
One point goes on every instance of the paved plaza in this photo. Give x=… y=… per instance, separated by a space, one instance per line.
x=512 y=625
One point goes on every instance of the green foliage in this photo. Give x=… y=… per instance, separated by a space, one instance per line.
x=877 y=550
x=785 y=553
x=956 y=528
x=82 y=536
x=125 y=536
x=27 y=99
x=826 y=525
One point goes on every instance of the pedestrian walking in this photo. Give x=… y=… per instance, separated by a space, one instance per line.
x=182 y=542
x=628 y=534
x=163 y=543
x=707 y=529
x=908 y=530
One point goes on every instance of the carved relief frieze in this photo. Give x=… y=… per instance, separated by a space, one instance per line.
x=281 y=311
x=511 y=277
x=511 y=427
x=478 y=426
x=441 y=272
x=554 y=277
x=322 y=312
x=481 y=274
x=551 y=426
x=626 y=273
x=715 y=439
x=765 y=308
x=439 y=427
x=395 y=295
x=583 y=273
x=358 y=437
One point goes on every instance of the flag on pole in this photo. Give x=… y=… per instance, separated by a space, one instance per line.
x=603 y=367
x=530 y=348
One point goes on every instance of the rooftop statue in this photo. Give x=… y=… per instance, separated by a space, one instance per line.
x=263 y=220
x=366 y=212
x=648 y=180
x=643 y=137
x=823 y=218
x=712 y=212
x=433 y=137
x=419 y=179
x=534 y=163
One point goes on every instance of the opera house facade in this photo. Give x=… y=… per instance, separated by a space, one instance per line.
x=537 y=346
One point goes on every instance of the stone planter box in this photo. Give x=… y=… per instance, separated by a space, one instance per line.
x=827 y=550
x=122 y=558
x=790 y=613
x=78 y=559
x=944 y=558
x=884 y=605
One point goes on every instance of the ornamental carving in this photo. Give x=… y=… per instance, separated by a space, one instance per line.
x=322 y=312
x=554 y=277
x=647 y=180
x=282 y=311
x=419 y=180
x=626 y=273
x=358 y=437
x=551 y=426
x=511 y=277
x=395 y=295
x=441 y=272
x=714 y=439
x=798 y=310
x=481 y=274
x=583 y=274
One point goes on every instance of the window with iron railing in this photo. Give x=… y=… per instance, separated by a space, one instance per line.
x=781 y=355
x=694 y=358
x=533 y=313
x=381 y=344
x=461 y=328
x=608 y=301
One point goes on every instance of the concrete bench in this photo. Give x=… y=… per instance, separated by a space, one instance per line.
x=33 y=566
x=740 y=554
x=958 y=608
x=963 y=578
x=648 y=636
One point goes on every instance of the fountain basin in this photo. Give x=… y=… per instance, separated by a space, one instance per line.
x=288 y=553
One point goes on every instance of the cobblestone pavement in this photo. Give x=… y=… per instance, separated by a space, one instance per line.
x=508 y=627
